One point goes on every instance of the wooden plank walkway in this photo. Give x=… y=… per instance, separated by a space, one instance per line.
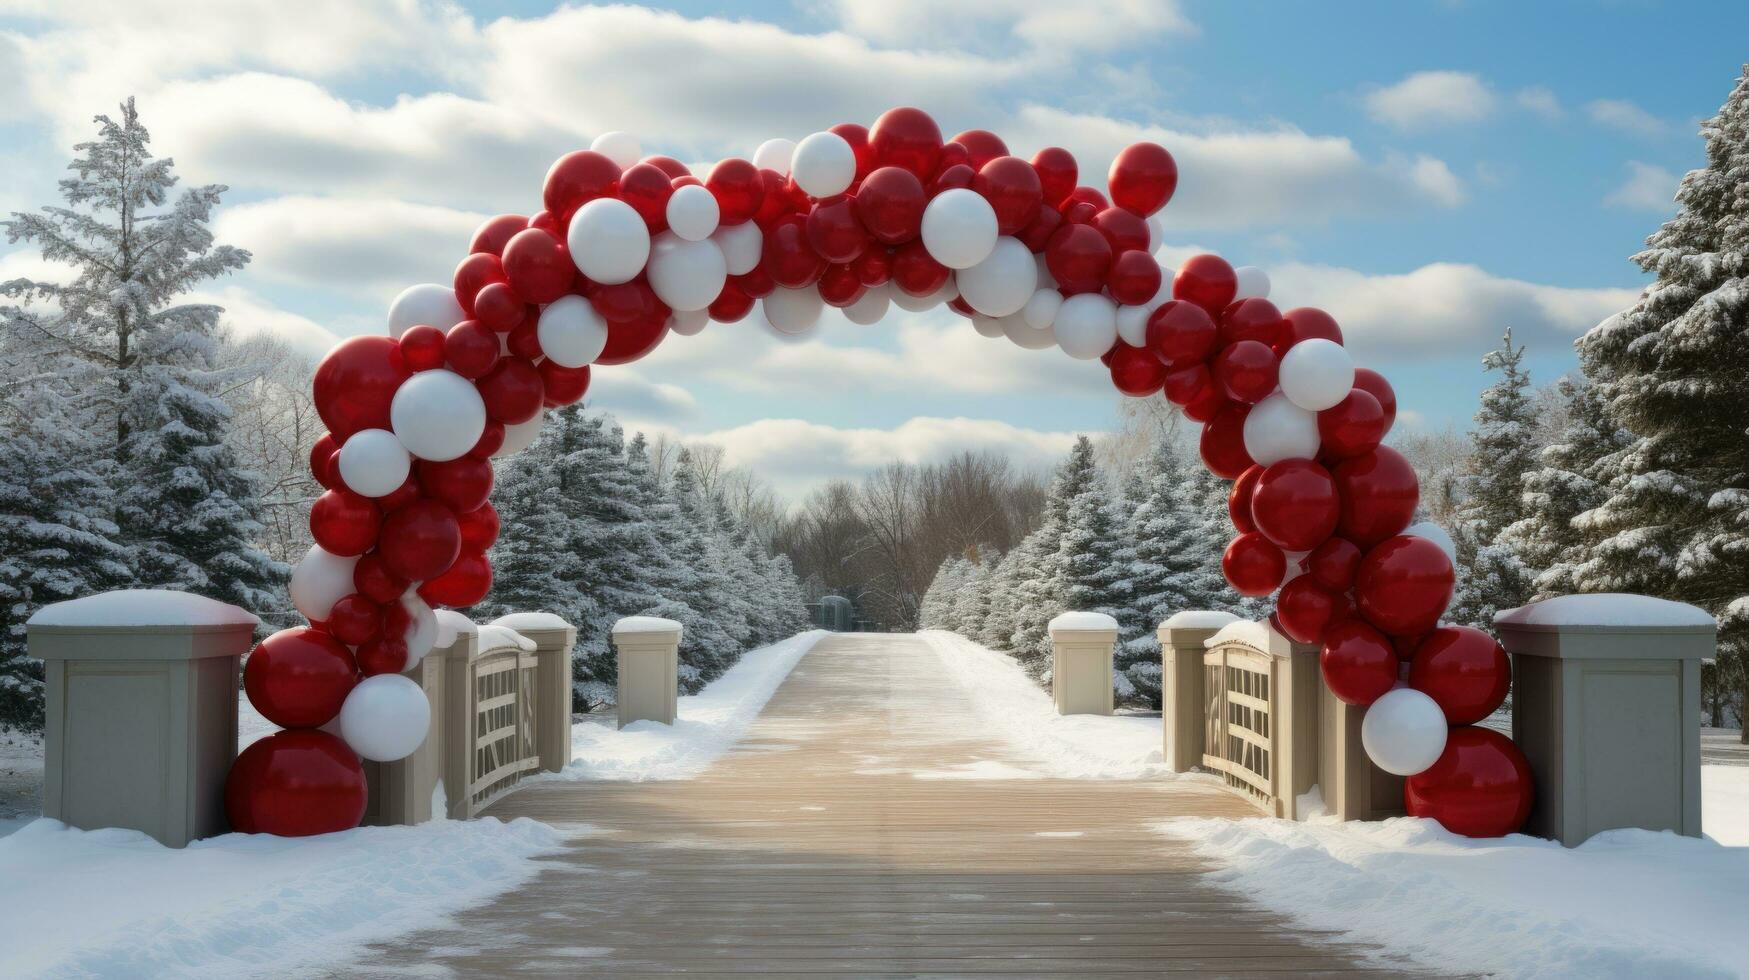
x=853 y=833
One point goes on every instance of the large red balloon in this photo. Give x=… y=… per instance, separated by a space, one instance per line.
x=1239 y=500
x=1464 y=670
x=1403 y=585
x=982 y=146
x=1080 y=258
x=1181 y=334
x=422 y=347
x=789 y=256
x=383 y=655
x=500 y=307
x=325 y=461
x=372 y=578
x=475 y=271
x=472 y=349
x=512 y=391
x=908 y=138
x=344 y=523
x=421 y=540
x=299 y=678
x=1223 y=443
x=1295 y=504
x=1333 y=564
x=1379 y=495
x=1305 y=610
x=1480 y=787
x=355 y=620
x=915 y=271
x=466 y=582
x=1306 y=323
x=739 y=191
x=1374 y=384
x=1245 y=371
x=647 y=189
x=479 y=527
x=840 y=287
x=857 y=136
x=834 y=232
x=1036 y=236
x=355 y=383
x=1208 y=281
x=629 y=340
x=1143 y=178
x=1136 y=371
x=1251 y=319
x=1057 y=173
x=463 y=483
x=1358 y=662
x=1125 y=231
x=538 y=266
x=890 y=204
x=1252 y=565
x=494 y=233
x=562 y=385
x=296 y=784
x=576 y=179
x=1352 y=426
x=1012 y=187
x=1135 y=278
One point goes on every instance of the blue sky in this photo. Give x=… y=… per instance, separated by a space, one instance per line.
x=1429 y=172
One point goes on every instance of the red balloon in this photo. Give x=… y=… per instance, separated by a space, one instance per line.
x=739 y=191
x=383 y=655
x=1351 y=427
x=373 y=580
x=1464 y=670
x=1295 y=504
x=1305 y=610
x=626 y=342
x=1245 y=371
x=563 y=385
x=466 y=582
x=490 y=441
x=1143 y=178
x=355 y=620
x=731 y=304
x=1306 y=323
x=1253 y=566
x=299 y=678
x=499 y=307
x=1374 y=384
x=908 y=138
x=576 y=179
x=857 y=136
x=625 y=302
x=296 y=784
x=1251 y=319
x=834 y=232
x=1358 y=662
x=538 y=266
x=757 y=283
x=890 y=205
x=512 y=391
x=422 y=347
x=462 y=484
x=789 y=256
x=1057 y=173
x=421 y=540
x=324 y=463
x=1403 y=585
x=355 y=383
x=671 y=168
x=479 y=527
x=1333 y=564
x=524 y=341
x=647 y=189
x=1208 y=403
x=952 y=155
x=1080 y=258
x=475 y=271
x=839 y=286
x=494 y=233
x=344 y=523
x=1379 y=495
x=1223 y=443
x=1181 y=334
x=1208 y=281
x=1184 y=385
x=406 y=493
x=915 y=271
x=776 y=200
x=1134 y=278
x=1088 y=196
x=1136 y=371
x=547 y=222
x=982 y=146
x=1239 y=500
x=471 y=348
x=957 y=177
x=873 y=267
x=1480 y=787
x=1123 y=230
x=1012 y=187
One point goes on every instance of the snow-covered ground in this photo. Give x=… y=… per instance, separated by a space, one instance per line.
x=707 y=723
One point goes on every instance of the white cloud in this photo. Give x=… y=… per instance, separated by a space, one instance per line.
x=1647 y=188
x=627 y=393
x=376 y=246
x=1426 y=99
x=247 y=315
x=1541 y=101
x=1088 y=25
x=1619 y=114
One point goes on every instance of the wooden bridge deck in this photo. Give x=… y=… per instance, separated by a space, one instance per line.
x=843 y=837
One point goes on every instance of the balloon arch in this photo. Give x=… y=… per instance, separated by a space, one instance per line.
x=630 y=248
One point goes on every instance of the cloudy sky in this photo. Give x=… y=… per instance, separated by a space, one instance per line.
x=1429 y=172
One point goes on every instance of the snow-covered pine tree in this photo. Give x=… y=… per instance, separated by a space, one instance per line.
x=1038 y=575
x=1491 y=576
x=1674 y=370
x=1163 y=540
x=1090 y=577
x=971 y=604
x=935 y=612
x=534 y=566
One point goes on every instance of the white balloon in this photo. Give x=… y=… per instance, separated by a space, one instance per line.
x=693 y=212
x=1003 y=282
x=1041 y=309
x=1156 y=234
x=427 y=303
x=320 y=580
x=373 y=463
x=871 y=306
x=1086 y=325
x=823 y=165
x=743 y=245
x=519 y=435
x=948 y=292
x=1253 y=283
x=1045 y=279
x=385 y=717
x=1436 y=534
x=609 y=241
x=571 y=333
x=1316 y=374
x=621 y=148
x=686 y=275
x=1132 y=322
x=959 y=228
x=775 y=154
x=688 y=323
x=1403 y=732
x=1025 y=335
x=1277 y=429
x=421 y=634
x=793 y=311
x=987 y=326
x=438 y=415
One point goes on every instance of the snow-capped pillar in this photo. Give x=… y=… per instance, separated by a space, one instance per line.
x=1082 y=647
x=1182 y=636
x=417 y=788
x=1606 y=708
x=649 y=665
x=142 y=710
x=553 y=640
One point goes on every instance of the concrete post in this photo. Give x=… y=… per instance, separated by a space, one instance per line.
x=1082 y=645
x=649 y=661
x=1353 y=788
x=553 y=639
x=1606 y=708
x=406 y=791
x=142 y=710
x=1182 y=637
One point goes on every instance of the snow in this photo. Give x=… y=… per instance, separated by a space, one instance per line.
x=1724 y=804
x=451 y=624
x=1082 y=621
x=1251 y=634
x=1606 y=609
x=532 y=621
x=646 y=624
x=1199 y=619
x=1627 y=903
x=117 y=903
x=494 y=637
x=142 y=607
x=706 y=724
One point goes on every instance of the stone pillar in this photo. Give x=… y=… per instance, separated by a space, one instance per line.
x=142 y=710
x=406 y=791
x=553 y=639
x=1606 y=708
x=1082 y=644
x=1353 y=788
x=1182 y=639
x=649 y=661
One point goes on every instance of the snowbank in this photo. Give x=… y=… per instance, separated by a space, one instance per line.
x=706 y=724
x=1627 y=903
x=646 y=624
x=1242 y=631
x=494 y=637
x=1724 y=804
x=451 y=624
x=1199 y=619
x=117 y=903
x=142 y=607
x=1605 y=609
x=532 y=621
x=1082 y=621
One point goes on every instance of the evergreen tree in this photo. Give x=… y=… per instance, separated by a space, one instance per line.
x=971 y=606
x=936 y=611
x=1163 y=543
x=1038 y=575
x=1090 y=577
x=1491 y=575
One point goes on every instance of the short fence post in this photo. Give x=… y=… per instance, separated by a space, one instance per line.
x=553 y=639
x=142 y=710
x=1606 y=708
x=1353 y=788
x=1182 y=636
x=459 y=710
x=649 y=669
x=1082 y=647
x=403 y=792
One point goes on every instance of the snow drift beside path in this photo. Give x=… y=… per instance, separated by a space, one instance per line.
x=706 y=724
x=117 y=903
x=1627 y=903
